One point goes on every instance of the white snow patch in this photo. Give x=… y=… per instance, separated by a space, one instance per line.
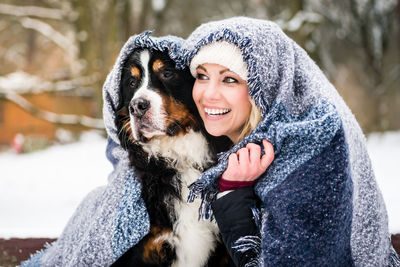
x=384 y=151
x=40 y=191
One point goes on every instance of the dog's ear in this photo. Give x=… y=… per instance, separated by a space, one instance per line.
x=137 y=156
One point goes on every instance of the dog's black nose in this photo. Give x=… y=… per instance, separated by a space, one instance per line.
x=139 y=106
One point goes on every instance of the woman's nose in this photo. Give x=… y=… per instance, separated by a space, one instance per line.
x=212 y=91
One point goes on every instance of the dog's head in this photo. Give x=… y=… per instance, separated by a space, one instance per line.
x=156 y=97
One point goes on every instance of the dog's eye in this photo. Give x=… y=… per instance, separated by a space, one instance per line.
x=167 y=74
x=133 y=82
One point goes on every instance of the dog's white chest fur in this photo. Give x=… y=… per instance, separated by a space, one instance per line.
x=194 y=239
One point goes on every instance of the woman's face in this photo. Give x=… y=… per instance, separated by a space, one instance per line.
x=222 y=99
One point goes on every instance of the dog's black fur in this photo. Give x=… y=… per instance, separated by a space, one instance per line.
x=160 y=181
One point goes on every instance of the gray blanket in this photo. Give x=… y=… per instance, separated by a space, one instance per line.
x=321 y=205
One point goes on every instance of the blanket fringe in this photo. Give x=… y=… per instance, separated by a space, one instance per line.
x=256 y=216
x=394 y=260
x=195 y=191
x=252 y=243
x=198 y=190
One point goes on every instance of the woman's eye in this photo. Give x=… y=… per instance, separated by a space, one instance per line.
x=200 y=76
x=229 y=80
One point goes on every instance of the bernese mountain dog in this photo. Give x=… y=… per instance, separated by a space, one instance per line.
x=161 y=129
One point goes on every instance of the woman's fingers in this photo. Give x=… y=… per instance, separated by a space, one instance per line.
x=233 y=160
x=268 y=156
x=247 y=164
x=244 y=158
x=255 y=153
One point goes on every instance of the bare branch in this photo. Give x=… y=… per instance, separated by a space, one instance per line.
x=74 y=83
x=3 y=25
x=295 y=23
x=34 y=11
x=53 y=35
x=51 y=116
x=21 y=83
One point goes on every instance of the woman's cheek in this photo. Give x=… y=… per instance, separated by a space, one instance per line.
x=196 y=92
x=196 y=95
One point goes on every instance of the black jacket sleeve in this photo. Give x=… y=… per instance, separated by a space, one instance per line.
x=235 y=219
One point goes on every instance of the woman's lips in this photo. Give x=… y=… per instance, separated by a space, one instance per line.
x=214 y=113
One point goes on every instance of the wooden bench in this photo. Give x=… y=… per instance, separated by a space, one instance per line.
x=15 y=250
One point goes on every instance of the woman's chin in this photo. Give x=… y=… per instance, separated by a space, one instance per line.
x=215 y=132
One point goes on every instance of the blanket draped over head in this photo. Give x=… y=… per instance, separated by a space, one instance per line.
x=320 y=203
x=112 y=218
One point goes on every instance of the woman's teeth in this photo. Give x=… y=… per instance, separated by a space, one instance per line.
x=216 y=112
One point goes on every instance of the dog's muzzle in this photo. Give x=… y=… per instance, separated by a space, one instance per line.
x=139 y=107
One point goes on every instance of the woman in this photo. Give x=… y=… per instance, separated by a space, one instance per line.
x=319 y=201
x=221 y=96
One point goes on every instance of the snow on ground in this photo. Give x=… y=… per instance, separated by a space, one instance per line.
x=384 y=150
x=40 y=191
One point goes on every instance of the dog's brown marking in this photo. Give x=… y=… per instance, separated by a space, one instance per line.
x=178 y=114
x=135 y=72
x=158 y=65
x=128 y=129
x=126 y=125
x=155 y=247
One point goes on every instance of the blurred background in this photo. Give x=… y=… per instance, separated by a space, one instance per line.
x=55 y=55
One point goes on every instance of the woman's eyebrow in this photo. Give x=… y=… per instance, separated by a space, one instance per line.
x=224 y=70
x=221 y=72
x=201 y=67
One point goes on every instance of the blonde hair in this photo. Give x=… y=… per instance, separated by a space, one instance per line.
x=253 y=120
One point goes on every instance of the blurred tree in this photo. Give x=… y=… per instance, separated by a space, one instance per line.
x=355 y=42
x=42 y=42
x=362 y=36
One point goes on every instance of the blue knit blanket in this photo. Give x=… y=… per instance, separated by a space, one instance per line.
x=320 y=203
x=112 y=218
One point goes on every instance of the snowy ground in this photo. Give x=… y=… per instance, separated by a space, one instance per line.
x=39 y=191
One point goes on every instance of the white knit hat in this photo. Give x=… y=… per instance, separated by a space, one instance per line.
x=221 y=53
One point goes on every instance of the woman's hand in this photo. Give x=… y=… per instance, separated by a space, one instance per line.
x=247 y=164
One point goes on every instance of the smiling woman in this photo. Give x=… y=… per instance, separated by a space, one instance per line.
x=317 y=203
x=222 y=99
x=221 y=94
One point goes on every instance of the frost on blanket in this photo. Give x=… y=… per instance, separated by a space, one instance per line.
x=112 y=218
x=320 y=202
